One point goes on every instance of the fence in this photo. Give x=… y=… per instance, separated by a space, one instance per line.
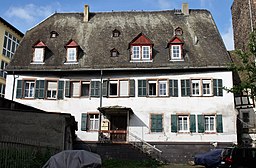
x=21 y=153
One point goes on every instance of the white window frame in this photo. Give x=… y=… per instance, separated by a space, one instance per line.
x=117 y=88
x=93 y=121
x=156 y=88
x=72 y=54
x=196 y=87
x=210 y=123
x=176 y=55
x=52 y=91
x=145 y=52
x=39 y=55
x=136 y=52
x=124 y=88
x=162 y=87
x=75 y=88
x=183 y=123
x=207 y=82
x=29 y=90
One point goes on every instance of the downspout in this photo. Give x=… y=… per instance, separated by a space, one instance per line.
x=13 y=85
x=250 y=12
x=100 y=115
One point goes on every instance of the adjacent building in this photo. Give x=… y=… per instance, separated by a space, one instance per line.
x=9 y=41
x=128 y=76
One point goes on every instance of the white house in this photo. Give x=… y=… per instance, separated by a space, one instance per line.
x=152 y=76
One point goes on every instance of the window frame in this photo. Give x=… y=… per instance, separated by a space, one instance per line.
x=10 y=44
x=52 y=90
x=74 y=51
x=210 y=123
x=140 y=55
x=151 y=123
x=40 y=58
x=201 y=86
x=181 y=126
x=173 y=55
x=31 y=90
x=93 y=121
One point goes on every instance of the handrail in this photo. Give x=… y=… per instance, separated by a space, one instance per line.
x=144 y=142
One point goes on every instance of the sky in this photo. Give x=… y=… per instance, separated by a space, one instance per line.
x=25 y=14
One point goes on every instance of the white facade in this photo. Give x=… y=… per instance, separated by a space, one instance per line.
x=139 y=122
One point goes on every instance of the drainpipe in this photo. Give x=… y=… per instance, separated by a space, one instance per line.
x=101 y=87
x=250 y=12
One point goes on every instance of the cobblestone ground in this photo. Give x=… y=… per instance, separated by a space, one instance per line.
x=181 y=166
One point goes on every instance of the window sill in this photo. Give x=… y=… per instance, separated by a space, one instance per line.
x=141 y=60
x=68 y=63
x=38 y=63
x=176 y=60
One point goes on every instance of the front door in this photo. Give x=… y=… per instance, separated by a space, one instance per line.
x=118 y=127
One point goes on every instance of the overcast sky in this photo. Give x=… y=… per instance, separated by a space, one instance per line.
x=25 y=14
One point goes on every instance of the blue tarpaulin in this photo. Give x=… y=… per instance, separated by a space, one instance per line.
x=209 y=159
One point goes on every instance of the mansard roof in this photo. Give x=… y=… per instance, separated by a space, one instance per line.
x=203 y=45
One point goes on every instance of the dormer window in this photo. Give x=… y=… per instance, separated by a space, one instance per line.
x=175 y=47
x=114 y=52
x=39 y=52
x=178 y=31
x=54 y=34
x=116 y=33
x=141 y=48
x=72 y=51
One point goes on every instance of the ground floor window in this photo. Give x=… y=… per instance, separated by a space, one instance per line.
x=90 y=121
x=156 y=121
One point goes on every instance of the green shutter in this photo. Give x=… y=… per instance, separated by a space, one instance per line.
x=156 y=123
x=219 y=124
x=83 y=122
x=217 y=87
x=40 y=86
x=185 y=87
x=60 y=89
x=192 y=123
x=173 y=123
x=173 y=88
x=95 y=88
x=67 y=89
x=142 y=88
x=19 y=89
x=200 y=120
x=132 y=88
x=105 y=88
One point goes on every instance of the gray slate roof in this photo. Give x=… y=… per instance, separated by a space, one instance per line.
x=95 y=40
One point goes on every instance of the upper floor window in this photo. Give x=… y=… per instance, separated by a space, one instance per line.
x=175 y=45
x=11 y=43
x=114 y=52
x=178 y=31
x=115 y=33
x=72 y=51
x=3 y=73
x=54 y=34
x=119 y=88
x=39 y=52
x=141 y=48
x=51 y=92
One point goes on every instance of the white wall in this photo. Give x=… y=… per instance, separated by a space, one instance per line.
x=142 y=107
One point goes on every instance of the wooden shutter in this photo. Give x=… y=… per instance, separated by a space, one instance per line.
x=192 y=119
x=217 y=87
x=40 y=89
x=173 y=88
x=67 y=89
x=219 y=123
x=60 y=89
x=200 y=120
x=105 y=88
x=84 y=121
x=156 y=123
x=19 y=89
x=185 y=87
x=142 y=88
x=95 y=88
x=132 y=88
x=173 y=123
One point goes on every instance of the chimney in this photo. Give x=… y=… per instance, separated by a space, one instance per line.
x=185 y=9
x=86 y=13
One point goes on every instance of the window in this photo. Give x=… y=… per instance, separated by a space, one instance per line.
x=29 y=89
x=183 y=124
x=210 y=123
x=2 y=90
x=156 y=88
x=118 y=88
x=195 y=87
x=201 y=87
x=207 y=87
x=90 y=121
x=85 y=89
x=71 y=54
x=51 y=90
x=176 y=52
x=75 y=89
x=38 y=55
x=10 y=45
x=141 y=48
x=54 y=34
x=116 y=33
x=156 y=123
x=3 y=73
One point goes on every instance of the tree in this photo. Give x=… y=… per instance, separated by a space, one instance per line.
x=245 y=67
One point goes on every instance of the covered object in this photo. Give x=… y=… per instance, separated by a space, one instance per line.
x=209 y=159
x=74 y=159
